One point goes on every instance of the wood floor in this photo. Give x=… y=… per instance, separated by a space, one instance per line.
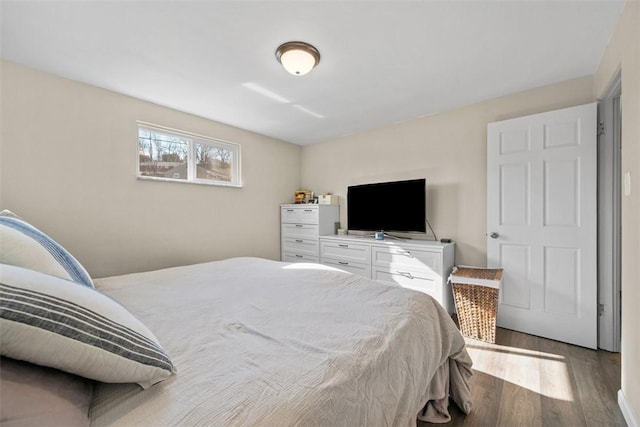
x=524 y=380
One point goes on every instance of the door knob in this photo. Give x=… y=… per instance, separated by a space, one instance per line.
x=494 y=235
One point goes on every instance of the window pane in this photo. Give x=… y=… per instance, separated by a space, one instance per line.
x=214 y=163
x=162 y=155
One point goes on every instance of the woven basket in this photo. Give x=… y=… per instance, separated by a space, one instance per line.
x=477 y=305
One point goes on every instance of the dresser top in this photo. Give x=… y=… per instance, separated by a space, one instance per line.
x=388 y=241
x=303 y=205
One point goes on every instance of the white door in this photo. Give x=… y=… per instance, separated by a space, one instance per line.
x=541 y=222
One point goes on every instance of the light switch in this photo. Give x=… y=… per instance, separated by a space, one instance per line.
x=627 y=183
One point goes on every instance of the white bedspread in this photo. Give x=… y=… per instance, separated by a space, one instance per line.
x=260 y=342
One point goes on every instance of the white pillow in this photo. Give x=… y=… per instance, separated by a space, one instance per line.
x=24 y=245
x=50 y=322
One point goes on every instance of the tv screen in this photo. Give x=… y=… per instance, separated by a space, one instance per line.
x=388 y=206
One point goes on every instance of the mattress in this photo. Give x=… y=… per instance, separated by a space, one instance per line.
x=259 y=342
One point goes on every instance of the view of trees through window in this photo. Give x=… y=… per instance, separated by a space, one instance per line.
x=213 y=162
x=163 y=154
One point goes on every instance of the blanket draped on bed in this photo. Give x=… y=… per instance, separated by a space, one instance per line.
x=260 y=342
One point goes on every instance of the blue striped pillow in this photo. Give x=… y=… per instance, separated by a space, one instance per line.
x=76 y=329
x=24 y=245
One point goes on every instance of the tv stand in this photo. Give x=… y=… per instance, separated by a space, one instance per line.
x=387 y=236
x=422 y=265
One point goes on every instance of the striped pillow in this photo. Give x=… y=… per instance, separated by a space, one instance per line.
x=76 y=329
x=24 y=245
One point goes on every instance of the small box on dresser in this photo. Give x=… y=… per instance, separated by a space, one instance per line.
x=328 y=199
x=301 y=225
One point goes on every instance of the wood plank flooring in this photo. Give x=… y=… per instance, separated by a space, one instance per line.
x=524 y=380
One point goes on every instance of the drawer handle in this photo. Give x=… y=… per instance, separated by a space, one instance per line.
x=343 y=263
x=406 y=253
x=405 y=274
x=308 y=210
x=299 y=225
x=299 y=256
x=299 y=240
x=289 y=210
x=343 y=246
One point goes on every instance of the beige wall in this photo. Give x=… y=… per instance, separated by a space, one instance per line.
x=448 y=149
x=623 y=53
x=68 y=164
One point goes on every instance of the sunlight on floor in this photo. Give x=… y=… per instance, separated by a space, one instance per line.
x=543 y=373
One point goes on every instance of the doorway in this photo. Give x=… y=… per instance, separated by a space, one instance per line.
x=609 y=228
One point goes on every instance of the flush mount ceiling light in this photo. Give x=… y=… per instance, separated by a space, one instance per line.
x=298 y=58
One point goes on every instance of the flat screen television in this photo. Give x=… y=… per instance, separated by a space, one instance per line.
x=399 y=206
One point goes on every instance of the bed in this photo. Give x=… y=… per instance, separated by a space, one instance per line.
x=260 y=342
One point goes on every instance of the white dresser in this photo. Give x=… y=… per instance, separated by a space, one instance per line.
x=300 y=228
x=415 y=264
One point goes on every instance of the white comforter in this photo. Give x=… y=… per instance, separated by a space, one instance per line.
x=260 y=342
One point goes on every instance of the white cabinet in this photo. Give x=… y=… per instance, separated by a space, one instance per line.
x=420 y=265
x=300 y=228
x=352 y=257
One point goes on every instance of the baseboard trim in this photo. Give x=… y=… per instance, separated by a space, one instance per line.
x=627 y=411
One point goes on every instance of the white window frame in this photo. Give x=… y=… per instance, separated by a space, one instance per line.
x=193 y=139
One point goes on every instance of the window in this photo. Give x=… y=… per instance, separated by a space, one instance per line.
x=170 y=155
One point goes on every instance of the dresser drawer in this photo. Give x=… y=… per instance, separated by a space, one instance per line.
x=299 y=215
x=345 y=251
x=351 y=267
x=295 y=257
x=411 y=280
x=300 y=230
x=390 y=257
x=300 y=246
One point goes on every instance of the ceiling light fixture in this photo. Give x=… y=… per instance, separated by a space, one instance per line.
x=298 y=58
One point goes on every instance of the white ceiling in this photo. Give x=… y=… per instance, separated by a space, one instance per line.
x=382 y=61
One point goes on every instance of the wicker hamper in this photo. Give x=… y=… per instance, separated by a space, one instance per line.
x=475 y=292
